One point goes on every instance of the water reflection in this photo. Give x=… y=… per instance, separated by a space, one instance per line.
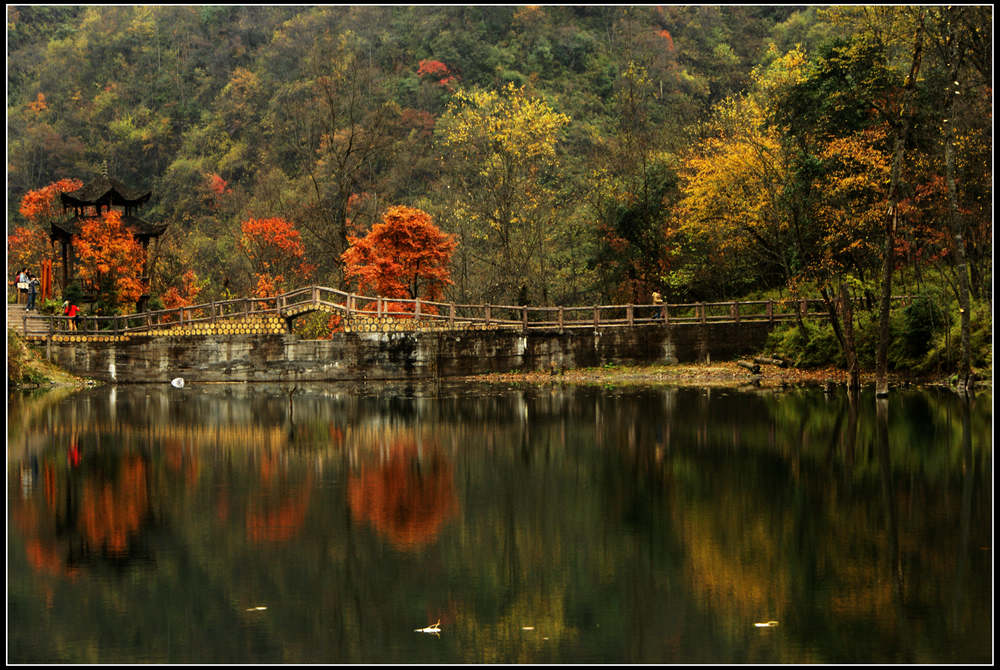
x=407 y=494
x=539 y=525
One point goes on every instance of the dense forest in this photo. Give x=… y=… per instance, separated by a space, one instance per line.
x=555 y=154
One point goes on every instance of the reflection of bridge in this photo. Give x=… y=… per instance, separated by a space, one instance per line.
x=358 y=313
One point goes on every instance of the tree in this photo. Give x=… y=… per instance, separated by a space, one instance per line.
x=276 y=254
x=39 y=206
x=955 y=31
x=26 y=248
x=110 y=260
x=404 y=256
x=334 y=126
x=500 y=169
x=735 y=190
x=632 y=191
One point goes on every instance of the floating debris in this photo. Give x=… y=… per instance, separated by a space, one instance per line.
x=435 y=629
x=766 y=624
x=177 y=382
x=527 y=628
x=258 y=608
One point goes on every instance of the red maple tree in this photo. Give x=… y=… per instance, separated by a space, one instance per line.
x=109 y=259
x=39 y=205
x=28 y=245
x=406 y=256
x=182 y=296
x=276 y=254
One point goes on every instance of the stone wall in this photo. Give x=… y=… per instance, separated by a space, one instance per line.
x=414 y=355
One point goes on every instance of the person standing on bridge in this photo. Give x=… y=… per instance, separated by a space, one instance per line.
x=73 y=312
x=22 y=285
x=33 y=285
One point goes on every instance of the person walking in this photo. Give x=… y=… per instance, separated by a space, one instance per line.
x=33 y=286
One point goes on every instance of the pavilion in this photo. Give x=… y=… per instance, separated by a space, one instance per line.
x=101 y=195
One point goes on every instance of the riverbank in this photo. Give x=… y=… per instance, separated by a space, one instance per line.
x=27 y=371
x=725 y=374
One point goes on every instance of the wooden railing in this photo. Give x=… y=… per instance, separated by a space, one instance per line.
x=442 y=315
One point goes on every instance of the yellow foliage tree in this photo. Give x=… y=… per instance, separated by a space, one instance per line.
x=500 y=163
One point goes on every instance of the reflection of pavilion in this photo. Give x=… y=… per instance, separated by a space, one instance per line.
x=102 y=195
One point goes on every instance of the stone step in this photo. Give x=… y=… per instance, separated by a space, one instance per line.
x=36 y=325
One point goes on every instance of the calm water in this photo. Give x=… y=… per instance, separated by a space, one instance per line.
x=256 y=524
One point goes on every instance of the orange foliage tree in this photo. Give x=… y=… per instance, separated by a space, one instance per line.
x=276 y=254
x=109 y=259
x=39 y=205
x=27 y=246
x=405 y=256
x=185 y=295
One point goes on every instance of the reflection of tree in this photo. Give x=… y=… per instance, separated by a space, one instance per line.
x=406 y=498
x=111 y=511
x=277 y=511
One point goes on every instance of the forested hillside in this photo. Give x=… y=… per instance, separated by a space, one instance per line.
x=577 y=154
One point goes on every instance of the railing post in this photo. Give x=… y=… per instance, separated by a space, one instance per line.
x=803 y=308
x=597 y=317
x=416 y=310
x=770 y=311
x=451 y=315
x=666 y=313
x=378 y=307
x=560 y=319
x=701 y=309
x=629 y=315
x=734 y=312
x=350 y=304
x=315 y=294
x=488 y=314
x=524 y=319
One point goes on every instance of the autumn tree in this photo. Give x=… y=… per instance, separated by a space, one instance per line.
x=734 y=193
x=500 y=167
x=632 y=191
x=185 y=294
x=28 y=244
x=110 y=260
x=404 y=256
x=276 y=254
x=334 y=123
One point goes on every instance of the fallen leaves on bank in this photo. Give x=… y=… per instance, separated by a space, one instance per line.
x=722 y=374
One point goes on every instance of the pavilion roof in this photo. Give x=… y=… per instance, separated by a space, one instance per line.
x=68 y=228
x=105 y=191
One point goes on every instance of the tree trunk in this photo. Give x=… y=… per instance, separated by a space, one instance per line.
x=850 y=347
x=954 y=219
x=892 y=222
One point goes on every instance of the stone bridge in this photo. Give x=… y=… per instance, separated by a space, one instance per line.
x=250 y=339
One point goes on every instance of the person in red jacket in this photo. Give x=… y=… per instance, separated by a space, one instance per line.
x=73 y=312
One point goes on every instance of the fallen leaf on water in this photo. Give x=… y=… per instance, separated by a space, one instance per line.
x=767 y=624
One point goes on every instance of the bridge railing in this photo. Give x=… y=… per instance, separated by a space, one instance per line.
x=442 y=314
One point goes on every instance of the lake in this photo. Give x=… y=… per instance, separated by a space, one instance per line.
x=537 y=524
